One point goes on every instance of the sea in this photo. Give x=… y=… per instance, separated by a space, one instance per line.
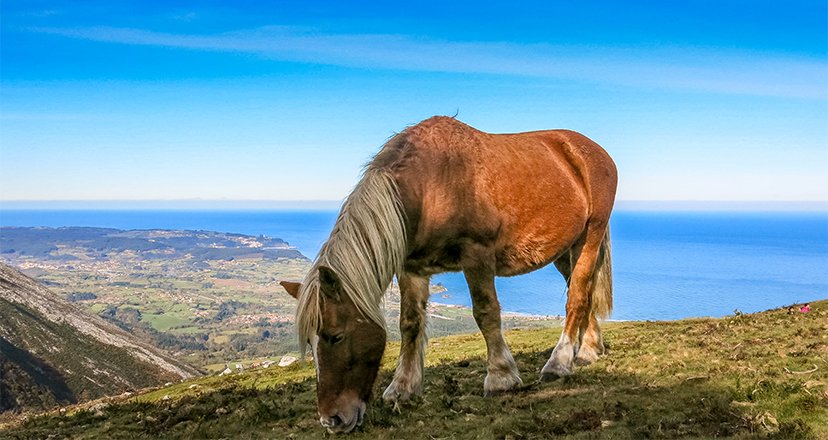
x=666 y=264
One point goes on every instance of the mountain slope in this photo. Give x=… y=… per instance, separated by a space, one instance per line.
x=53 y=353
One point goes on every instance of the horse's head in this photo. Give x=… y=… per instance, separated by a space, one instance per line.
x=347 y=349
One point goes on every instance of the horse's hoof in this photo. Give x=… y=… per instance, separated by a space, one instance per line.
x=550 y=377
x=394 y=394
x=496 y=385
x=554 y=372
x=586 y=356
x=392 y=397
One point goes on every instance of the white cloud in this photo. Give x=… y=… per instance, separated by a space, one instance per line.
x=656 y=67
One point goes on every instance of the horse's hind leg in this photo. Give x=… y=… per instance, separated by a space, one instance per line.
x=408 y=378
x=591 y=342
x=585 y=256
x=502 y=373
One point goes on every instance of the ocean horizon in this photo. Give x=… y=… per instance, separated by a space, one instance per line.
x=333 y=205
x=667 y=264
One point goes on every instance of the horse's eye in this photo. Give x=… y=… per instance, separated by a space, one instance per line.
x=336 y=339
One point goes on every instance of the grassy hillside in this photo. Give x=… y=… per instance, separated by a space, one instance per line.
x=744 y=376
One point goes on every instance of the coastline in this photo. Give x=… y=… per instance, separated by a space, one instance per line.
x=666 y=269
x=504 y=314
x=539 y=317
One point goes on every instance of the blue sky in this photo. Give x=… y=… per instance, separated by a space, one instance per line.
x=697 y=100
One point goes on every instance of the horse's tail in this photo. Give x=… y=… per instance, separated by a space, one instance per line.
x=602 y=283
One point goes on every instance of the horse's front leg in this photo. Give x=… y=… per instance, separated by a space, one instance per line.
x=408 y=378
x=502 y=373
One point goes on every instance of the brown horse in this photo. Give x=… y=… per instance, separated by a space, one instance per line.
x=443 y=196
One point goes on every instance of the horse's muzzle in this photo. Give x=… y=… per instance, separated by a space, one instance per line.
x=344 y=421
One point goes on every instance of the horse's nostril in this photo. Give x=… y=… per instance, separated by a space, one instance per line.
x=330 y=422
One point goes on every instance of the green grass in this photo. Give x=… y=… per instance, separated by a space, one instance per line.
x=185 y=330
x=163 y=321
x=743 y=377
x=97 y=308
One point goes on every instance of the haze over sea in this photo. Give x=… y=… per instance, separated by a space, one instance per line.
x=667 y=264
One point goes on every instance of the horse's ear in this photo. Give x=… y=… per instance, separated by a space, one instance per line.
x=291 y=287
x=329 y=283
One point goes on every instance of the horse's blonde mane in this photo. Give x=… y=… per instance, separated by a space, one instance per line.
x=365 y=249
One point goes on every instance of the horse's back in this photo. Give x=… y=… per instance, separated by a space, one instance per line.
x=526 y=195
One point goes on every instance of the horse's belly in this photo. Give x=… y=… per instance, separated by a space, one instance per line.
x=540 y=240
x=528 y=255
